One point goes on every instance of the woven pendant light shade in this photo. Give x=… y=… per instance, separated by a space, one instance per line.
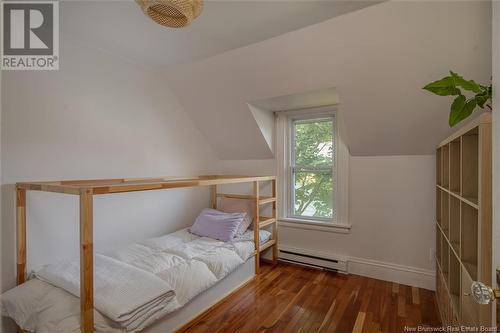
x=172 y=13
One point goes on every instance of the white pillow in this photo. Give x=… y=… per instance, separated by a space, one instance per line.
x=23 y=303
x=245 y=223
x=264 y=236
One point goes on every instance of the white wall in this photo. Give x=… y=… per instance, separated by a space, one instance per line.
x=392 y=206
x=392 y=212
x=265 y=121
x=99 y=116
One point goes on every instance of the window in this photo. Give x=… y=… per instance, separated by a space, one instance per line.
x=311 y=183
x=313 y=170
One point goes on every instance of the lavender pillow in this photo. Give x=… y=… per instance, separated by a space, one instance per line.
x=215 y=224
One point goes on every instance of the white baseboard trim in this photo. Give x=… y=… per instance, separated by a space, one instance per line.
x=407 y=275
x=316 y=253
x=411 y=276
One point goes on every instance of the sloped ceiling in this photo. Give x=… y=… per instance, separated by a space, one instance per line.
x=120 y=27
x=303 y=100
x=377 y=58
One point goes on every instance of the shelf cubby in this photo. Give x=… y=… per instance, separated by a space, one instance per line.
x=445 y=254
x=469 y=240
x=445 y=198
x=445 y=158
x=439 y=283
x=438 y=205
x=454 y=223
x=442 y=294
x=438 y=167
x=463 y=223
x=438 y=245
x=454 y=166
x=470 y=310
x=455 y=282
x=470 y=165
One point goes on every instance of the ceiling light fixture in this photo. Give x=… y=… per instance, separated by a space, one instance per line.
x=171 y=13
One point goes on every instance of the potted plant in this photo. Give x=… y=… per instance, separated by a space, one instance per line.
x=469 y=95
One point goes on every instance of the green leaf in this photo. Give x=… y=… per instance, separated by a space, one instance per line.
x=456 y=107
x=456 y=110
x=458 y=114
x=444 y=87
x=465 y=84
x=481 y=99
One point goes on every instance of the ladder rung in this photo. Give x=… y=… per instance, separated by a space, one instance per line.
x=266 y=200
x=267 y=245
x=235 y=196
x=265 y=221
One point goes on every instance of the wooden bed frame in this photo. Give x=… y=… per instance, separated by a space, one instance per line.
x=86 y=189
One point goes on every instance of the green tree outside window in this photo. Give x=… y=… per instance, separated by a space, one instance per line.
x=312 y=168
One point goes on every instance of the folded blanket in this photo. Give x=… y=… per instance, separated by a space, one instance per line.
x=124 y=293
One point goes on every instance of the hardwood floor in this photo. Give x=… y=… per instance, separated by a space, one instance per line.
x=289 y=298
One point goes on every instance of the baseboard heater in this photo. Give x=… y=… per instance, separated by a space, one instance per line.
x=302 y=257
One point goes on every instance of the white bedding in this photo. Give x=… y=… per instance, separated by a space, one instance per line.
x=188 y=263
x=122 y=292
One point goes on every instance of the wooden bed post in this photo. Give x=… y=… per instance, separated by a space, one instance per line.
x=86 y=262
x=275 y=225
x=256 y=227
x=21 y=234
x=213 y=196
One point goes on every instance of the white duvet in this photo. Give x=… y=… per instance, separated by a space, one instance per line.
x=122 y=292
x=186 y=263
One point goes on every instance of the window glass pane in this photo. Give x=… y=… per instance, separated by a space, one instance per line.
x=313 y=193
x=313 y=142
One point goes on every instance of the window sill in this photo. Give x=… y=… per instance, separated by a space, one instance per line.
x=315 y=225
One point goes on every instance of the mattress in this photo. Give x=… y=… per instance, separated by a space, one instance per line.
x=190 y=264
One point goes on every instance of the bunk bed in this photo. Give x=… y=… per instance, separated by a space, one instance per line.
x=87 y=189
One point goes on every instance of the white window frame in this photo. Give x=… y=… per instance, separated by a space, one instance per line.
x=340 y=165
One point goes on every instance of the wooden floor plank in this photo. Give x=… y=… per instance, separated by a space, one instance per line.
x=395 y=287
x=415 y=295
x=360 y=321
x=286 y=298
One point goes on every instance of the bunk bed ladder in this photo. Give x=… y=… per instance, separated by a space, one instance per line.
x=261 y=222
